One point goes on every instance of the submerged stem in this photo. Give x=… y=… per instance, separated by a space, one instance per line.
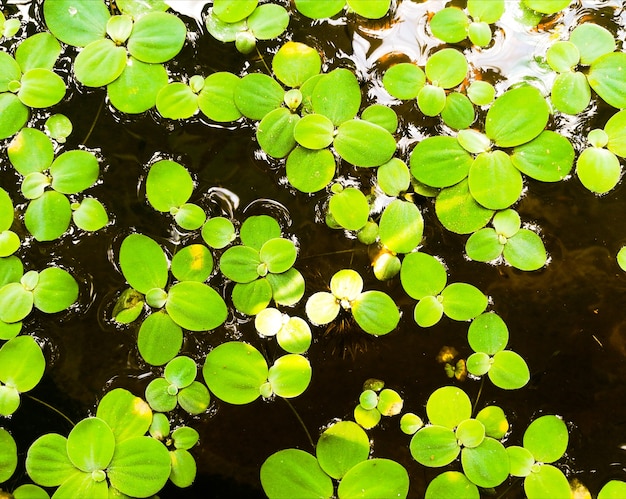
x=330 y=253
x=52 y=408
x=293 y=409
x=93 y=124
x=480 y=391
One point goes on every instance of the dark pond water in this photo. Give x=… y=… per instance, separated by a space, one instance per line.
x=567 y=320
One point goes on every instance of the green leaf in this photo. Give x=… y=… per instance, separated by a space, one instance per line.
x=440 y=161
x=217 y=97
x=40 y=50
x=484 y=245
x=143 y=263
x=48 y=216
x=320 y=10
x=314 y=131
x=15 y=302
x=494 y=420
x=310 y=170
x=47 y=463
x=136 y=89
x=290 y=375
x=613 y=489
x=81 y=484
x=401 y=226
x=570 y=92
x=422 y=275
x=218 y=232
x=56 y=290
x=563 y=56
x=168 y=185
x=394 y=177
x=322 y=308
x=365 y=144
x=448 y=406
x=140 y=466
x=256 y=230
x=509 y=370
x=21 y=363
x=431 y=100
x=446 y=68
x=76 y=23
x=525 y=251
x=370 y=9
x=479 y=33
x=521 y=461
x=382 y=116
x=493 y=180
x=374 y=478
x=478 y=363
x=548 y=481
x=546 y=438
x=294 y=336
x=231 y=11
x=157 y=37
x=592 y=41
x=90 y=445
x=488 y=11
x=337 y=96
x=546 y=6
x=389 y=402
x=548 y=158
x=159 y=339
x=128 y=416
x=184 y=468
x=615 y=129
x=90 y=215
x=459 y=212
x=458 y=112
x=404 y=80
x=470 y=433
x=30 y=151
x=8 y=455
x=189 y=216
x=234 y=372
x=516 y=117
x=240 y=264
x=192 y=263
x=450 y=25
x=99 y=63
x=275 y=133
x=268 y=21
x=74 y=171
x=462 y=301
x=293 y=473
x=278 y=254
x=376 y=312
x=349 y=208
x=257 y=94
x=11 y=71
x=486 y=465
x=434 y=446
x=599 y=170
x=195 y=306
x=451 y=485
x=488 y=333
x=177 y=101
x=251 y=297
x=481 y=93
x=295 y=63
x=41 y=88
x=606 y=75
x=195 y=398
x=14 y=115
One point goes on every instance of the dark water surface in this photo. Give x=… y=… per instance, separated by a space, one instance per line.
x=567 y=320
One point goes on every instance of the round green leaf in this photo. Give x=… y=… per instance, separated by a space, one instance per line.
x=48 y=216
x=218 y=232
x=176 y=101
x=548 y=481
x=192 y=263
x=367 y=418
x=592 y=41
x=494 y=420
x=136 y=89
x=9 y=243
x=8 y=455
x=9 y=400
x=546 y=438
x=422 y=275
x=493 y=180
x=446 y=68
x=90 y=445
x=349 y=208
x=56 y=290
x=46 y=461
x=287 y=287
x=478 y=364
x=370 y=9
x=257 y=94
x=156 y=37
x=451 y=485
x=525 y=251
x=337 y=96
x=294 y=336
x=470 y=433
x=570 y=92
x=15 y=302
x=231 y=11
x=450 y=25
x=258 y=229
x=76 y=23
x=365 y=144
x=375 y=312
x=563 y=56
x=458 y=112
x=462 y=301
x=404 y=80
x=290 y=375
x=428 y=311
x=521 y=461
x=346 y=285
x=240 y=264
x=486 y=465
x=605 y=76
x=143 y=263
x=278 y=254
x=599 y=170
x=184 y=468
x=434 y=446
x=268 y=21
x=195 y=306
x=389 y=402
x=99 y=63
x=481 y=92
x=517 y=117
x=401 y=226
x=81 y=484
x=314 y=131
x=479 y=33
x=394 y=177
x=189 y=216
x=615 y=129
x=548 y=158
x=507 y=223
x=216 y=99
x=14 y=114
x=168 y=185
x=90 y=215
x=159 y=339
x=295 y=63
x=509 y=370
x=440 y=161
x=127 y=415
x=21 y=363
x=488 y=333
x=11 y=71
x=40 y=50
x=140 y=466
x=319 y=10
x=321 y=307
x=382 y=116
x=459 y=212
x=484 y=245
x=310 y=171
x=374 y=478
x=41 y=88
x=119 y=28
x=74 y=171
x=546 y=6
x=431 y=100
x=613 y=489
x=30 y=151
x=195 y=398
x=234 y=372
x=448 y=406
x=488 y=11
x=275 y=133
x=293 y=473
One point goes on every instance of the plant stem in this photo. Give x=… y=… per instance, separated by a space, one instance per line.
x=51 y=408
x=480 y=391
x=93 y=124
x=293 y=409
x=330 y=253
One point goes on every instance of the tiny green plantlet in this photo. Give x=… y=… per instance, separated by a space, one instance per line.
x=22 y=366
x=293 y=334
x=374 y=311
x=375 y=402
x=453 y=25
